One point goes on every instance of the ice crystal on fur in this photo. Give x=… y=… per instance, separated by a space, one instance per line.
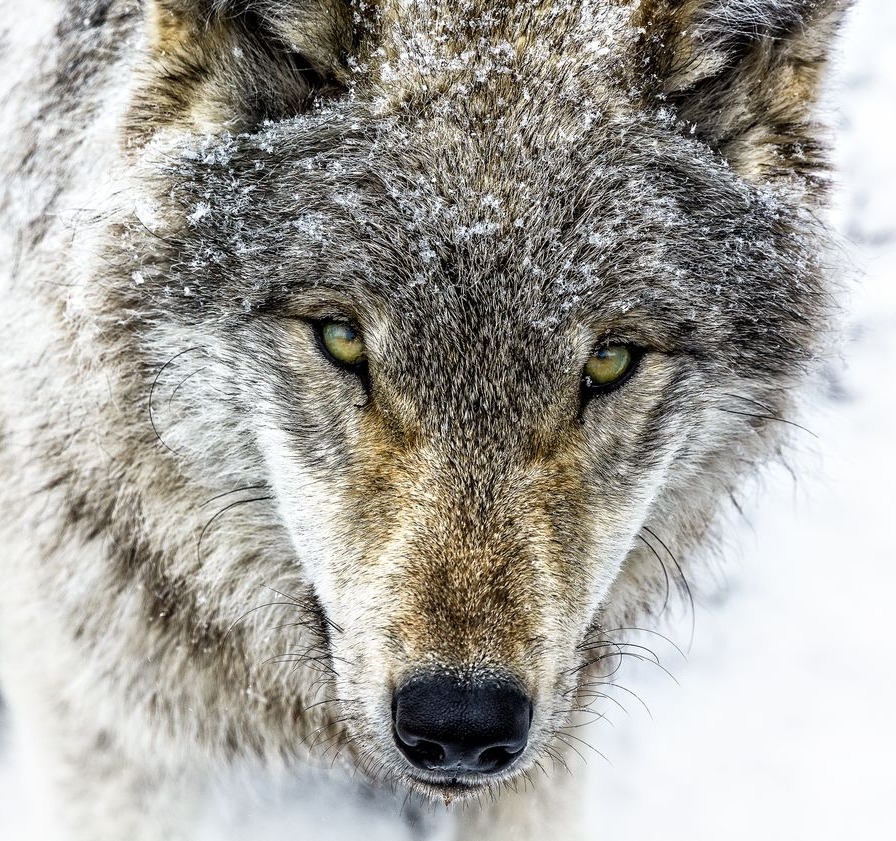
x=244 y=549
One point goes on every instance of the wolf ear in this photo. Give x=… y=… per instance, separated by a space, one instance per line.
x=215 y=64
x=744 y=74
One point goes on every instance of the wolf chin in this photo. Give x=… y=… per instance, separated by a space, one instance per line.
x=368 y=366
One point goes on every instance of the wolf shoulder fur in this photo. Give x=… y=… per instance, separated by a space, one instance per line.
x=221 y=544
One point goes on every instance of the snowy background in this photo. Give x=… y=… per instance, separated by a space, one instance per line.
x=781 y=722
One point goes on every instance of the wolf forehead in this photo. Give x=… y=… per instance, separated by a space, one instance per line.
x=632 y=222
x=602 y=166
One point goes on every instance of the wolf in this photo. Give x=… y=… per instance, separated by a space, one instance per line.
x=370 y=365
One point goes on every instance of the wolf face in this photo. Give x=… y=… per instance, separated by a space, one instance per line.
x=471 y=303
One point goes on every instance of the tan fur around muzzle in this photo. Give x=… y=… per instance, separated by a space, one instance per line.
x=473 y=573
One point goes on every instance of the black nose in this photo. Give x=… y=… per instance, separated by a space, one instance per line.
x=443 y=724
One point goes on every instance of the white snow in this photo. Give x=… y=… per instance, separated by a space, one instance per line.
x=781 y=725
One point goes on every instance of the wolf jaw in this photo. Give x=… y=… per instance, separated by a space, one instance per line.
x=488 y=198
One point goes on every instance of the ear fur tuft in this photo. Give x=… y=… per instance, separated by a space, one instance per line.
x=745 y=75
x=234 y=63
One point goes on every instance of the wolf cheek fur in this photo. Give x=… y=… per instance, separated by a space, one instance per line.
x=486 y=197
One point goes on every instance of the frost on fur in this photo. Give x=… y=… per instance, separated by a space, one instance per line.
x=242 y=547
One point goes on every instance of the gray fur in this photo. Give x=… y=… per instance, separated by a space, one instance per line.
x=489 y=193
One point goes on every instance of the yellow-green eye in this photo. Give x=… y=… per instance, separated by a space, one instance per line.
x=608 y=367
x=343 y=343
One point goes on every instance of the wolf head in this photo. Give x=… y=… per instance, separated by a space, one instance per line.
x=489 y=306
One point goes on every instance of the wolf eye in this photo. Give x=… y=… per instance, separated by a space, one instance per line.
x=342 y=343
x=608 y=368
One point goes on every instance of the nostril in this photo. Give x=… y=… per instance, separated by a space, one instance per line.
x=425 y=753
x=494 y=759
x=442 y=723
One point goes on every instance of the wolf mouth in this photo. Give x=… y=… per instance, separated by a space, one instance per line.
x=453 y=787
